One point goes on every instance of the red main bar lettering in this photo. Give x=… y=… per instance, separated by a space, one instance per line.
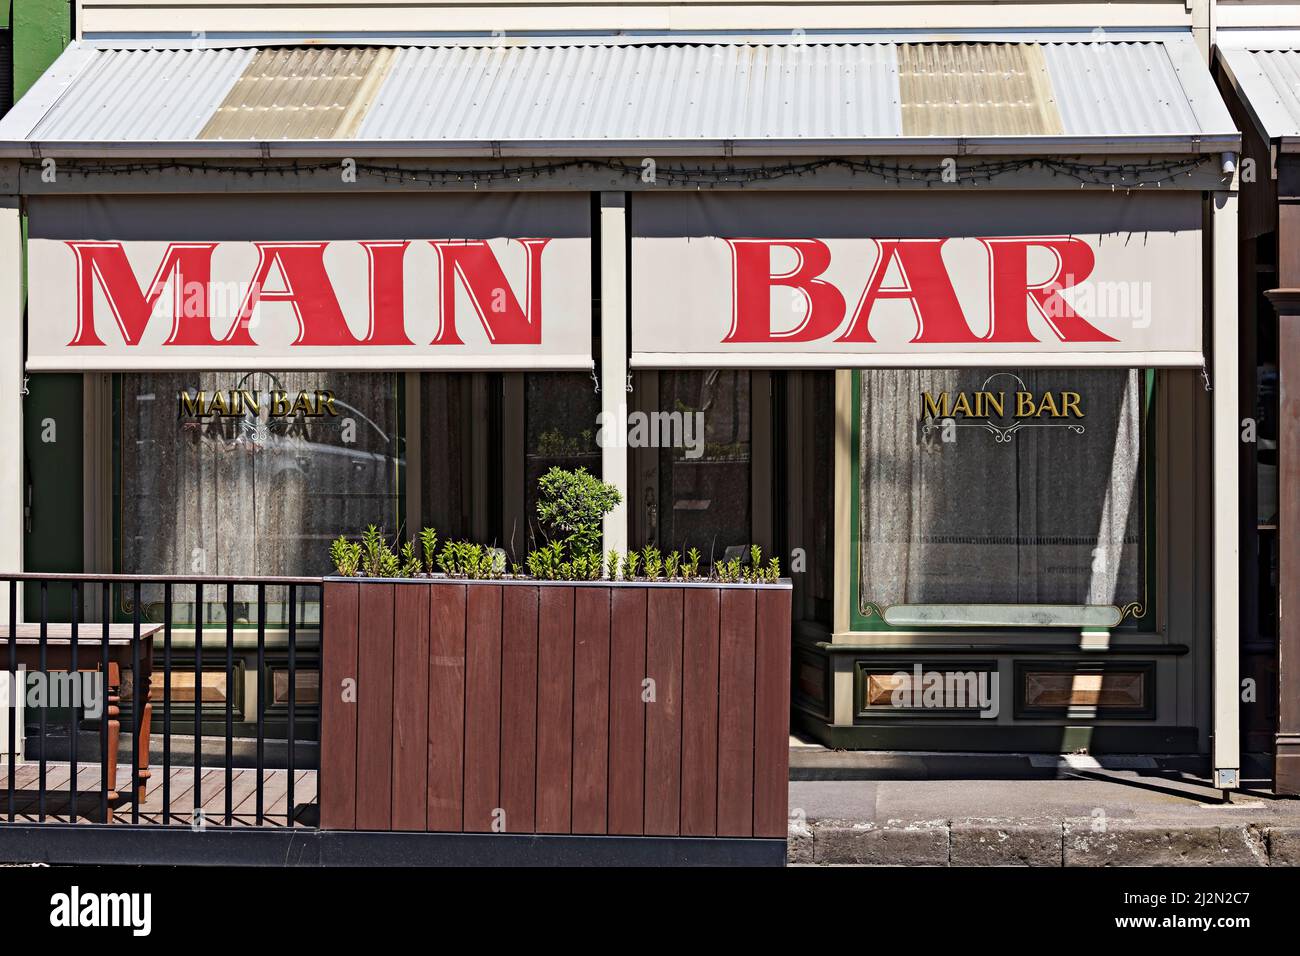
x=923 y=282
x=308 y=291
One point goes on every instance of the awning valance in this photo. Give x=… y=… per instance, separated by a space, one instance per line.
x=610 y=96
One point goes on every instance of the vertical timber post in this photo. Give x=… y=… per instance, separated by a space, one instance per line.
x=613 y=360
x=1226 y=421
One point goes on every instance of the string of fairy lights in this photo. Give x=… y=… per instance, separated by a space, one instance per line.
x=939 y=172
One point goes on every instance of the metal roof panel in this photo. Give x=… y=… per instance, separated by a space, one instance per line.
x=1269 y=81
x=798 y=93
x=133 y=95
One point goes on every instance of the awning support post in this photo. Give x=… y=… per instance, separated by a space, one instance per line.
x=1226 y=435
x=613 y=360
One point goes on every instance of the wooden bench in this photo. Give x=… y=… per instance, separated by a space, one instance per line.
x=90 y=658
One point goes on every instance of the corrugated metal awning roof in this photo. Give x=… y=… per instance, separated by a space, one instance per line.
x=1269 y=83
x=787 y=96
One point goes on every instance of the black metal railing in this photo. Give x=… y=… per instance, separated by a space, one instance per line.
x=125 y=638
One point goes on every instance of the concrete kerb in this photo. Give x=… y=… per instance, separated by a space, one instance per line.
x=1080 y=842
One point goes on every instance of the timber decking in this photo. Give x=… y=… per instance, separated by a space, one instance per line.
x=58 y=795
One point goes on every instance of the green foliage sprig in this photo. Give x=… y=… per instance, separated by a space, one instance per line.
x=429 y=548
x=465 y=559
x=377 y=558
x=346 y=557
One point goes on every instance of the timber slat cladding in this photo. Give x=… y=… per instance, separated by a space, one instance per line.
x=338 y=726
x=700 y=614
x=771 y=713
x=555 y=707
x=736 y=715
x=513 y=708
x=410 y=706
x=591 y=616
x=663 y=713
x=482 y=707
x=519 y=709
x=446 y=731
x=375 y=708
x=627 y=712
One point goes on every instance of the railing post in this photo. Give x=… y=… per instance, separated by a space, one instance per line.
x=15 y=689
x=75 y=683
x=230 y=703
x=167 y=703
x=137 y=691
x=44 y=671
x=107 y=761
x=261 y=699
x=198 y=704
x=293 y=693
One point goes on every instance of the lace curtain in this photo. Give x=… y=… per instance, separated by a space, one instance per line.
x=257 y=494
x=1050 y=515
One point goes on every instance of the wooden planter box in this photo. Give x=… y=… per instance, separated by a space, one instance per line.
x=519 y=707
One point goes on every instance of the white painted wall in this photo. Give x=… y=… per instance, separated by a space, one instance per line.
x=1233 y=14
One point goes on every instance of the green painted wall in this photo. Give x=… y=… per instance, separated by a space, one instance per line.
x=41 y=29
x=53 y=445
x=52 y=409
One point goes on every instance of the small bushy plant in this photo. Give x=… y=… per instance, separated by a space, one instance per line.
x=572 y=506
x=345 y=556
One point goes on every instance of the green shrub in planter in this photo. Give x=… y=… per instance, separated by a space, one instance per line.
x=573 y=506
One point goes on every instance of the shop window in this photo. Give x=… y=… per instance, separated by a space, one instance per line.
x=1002 y=498
x=252 y=474
x=456 y=419
x=705 y=470
x=819 y=485
x=560 y=412
x=804 y=494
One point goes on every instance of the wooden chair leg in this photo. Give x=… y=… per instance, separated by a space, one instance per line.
x=113 y=714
